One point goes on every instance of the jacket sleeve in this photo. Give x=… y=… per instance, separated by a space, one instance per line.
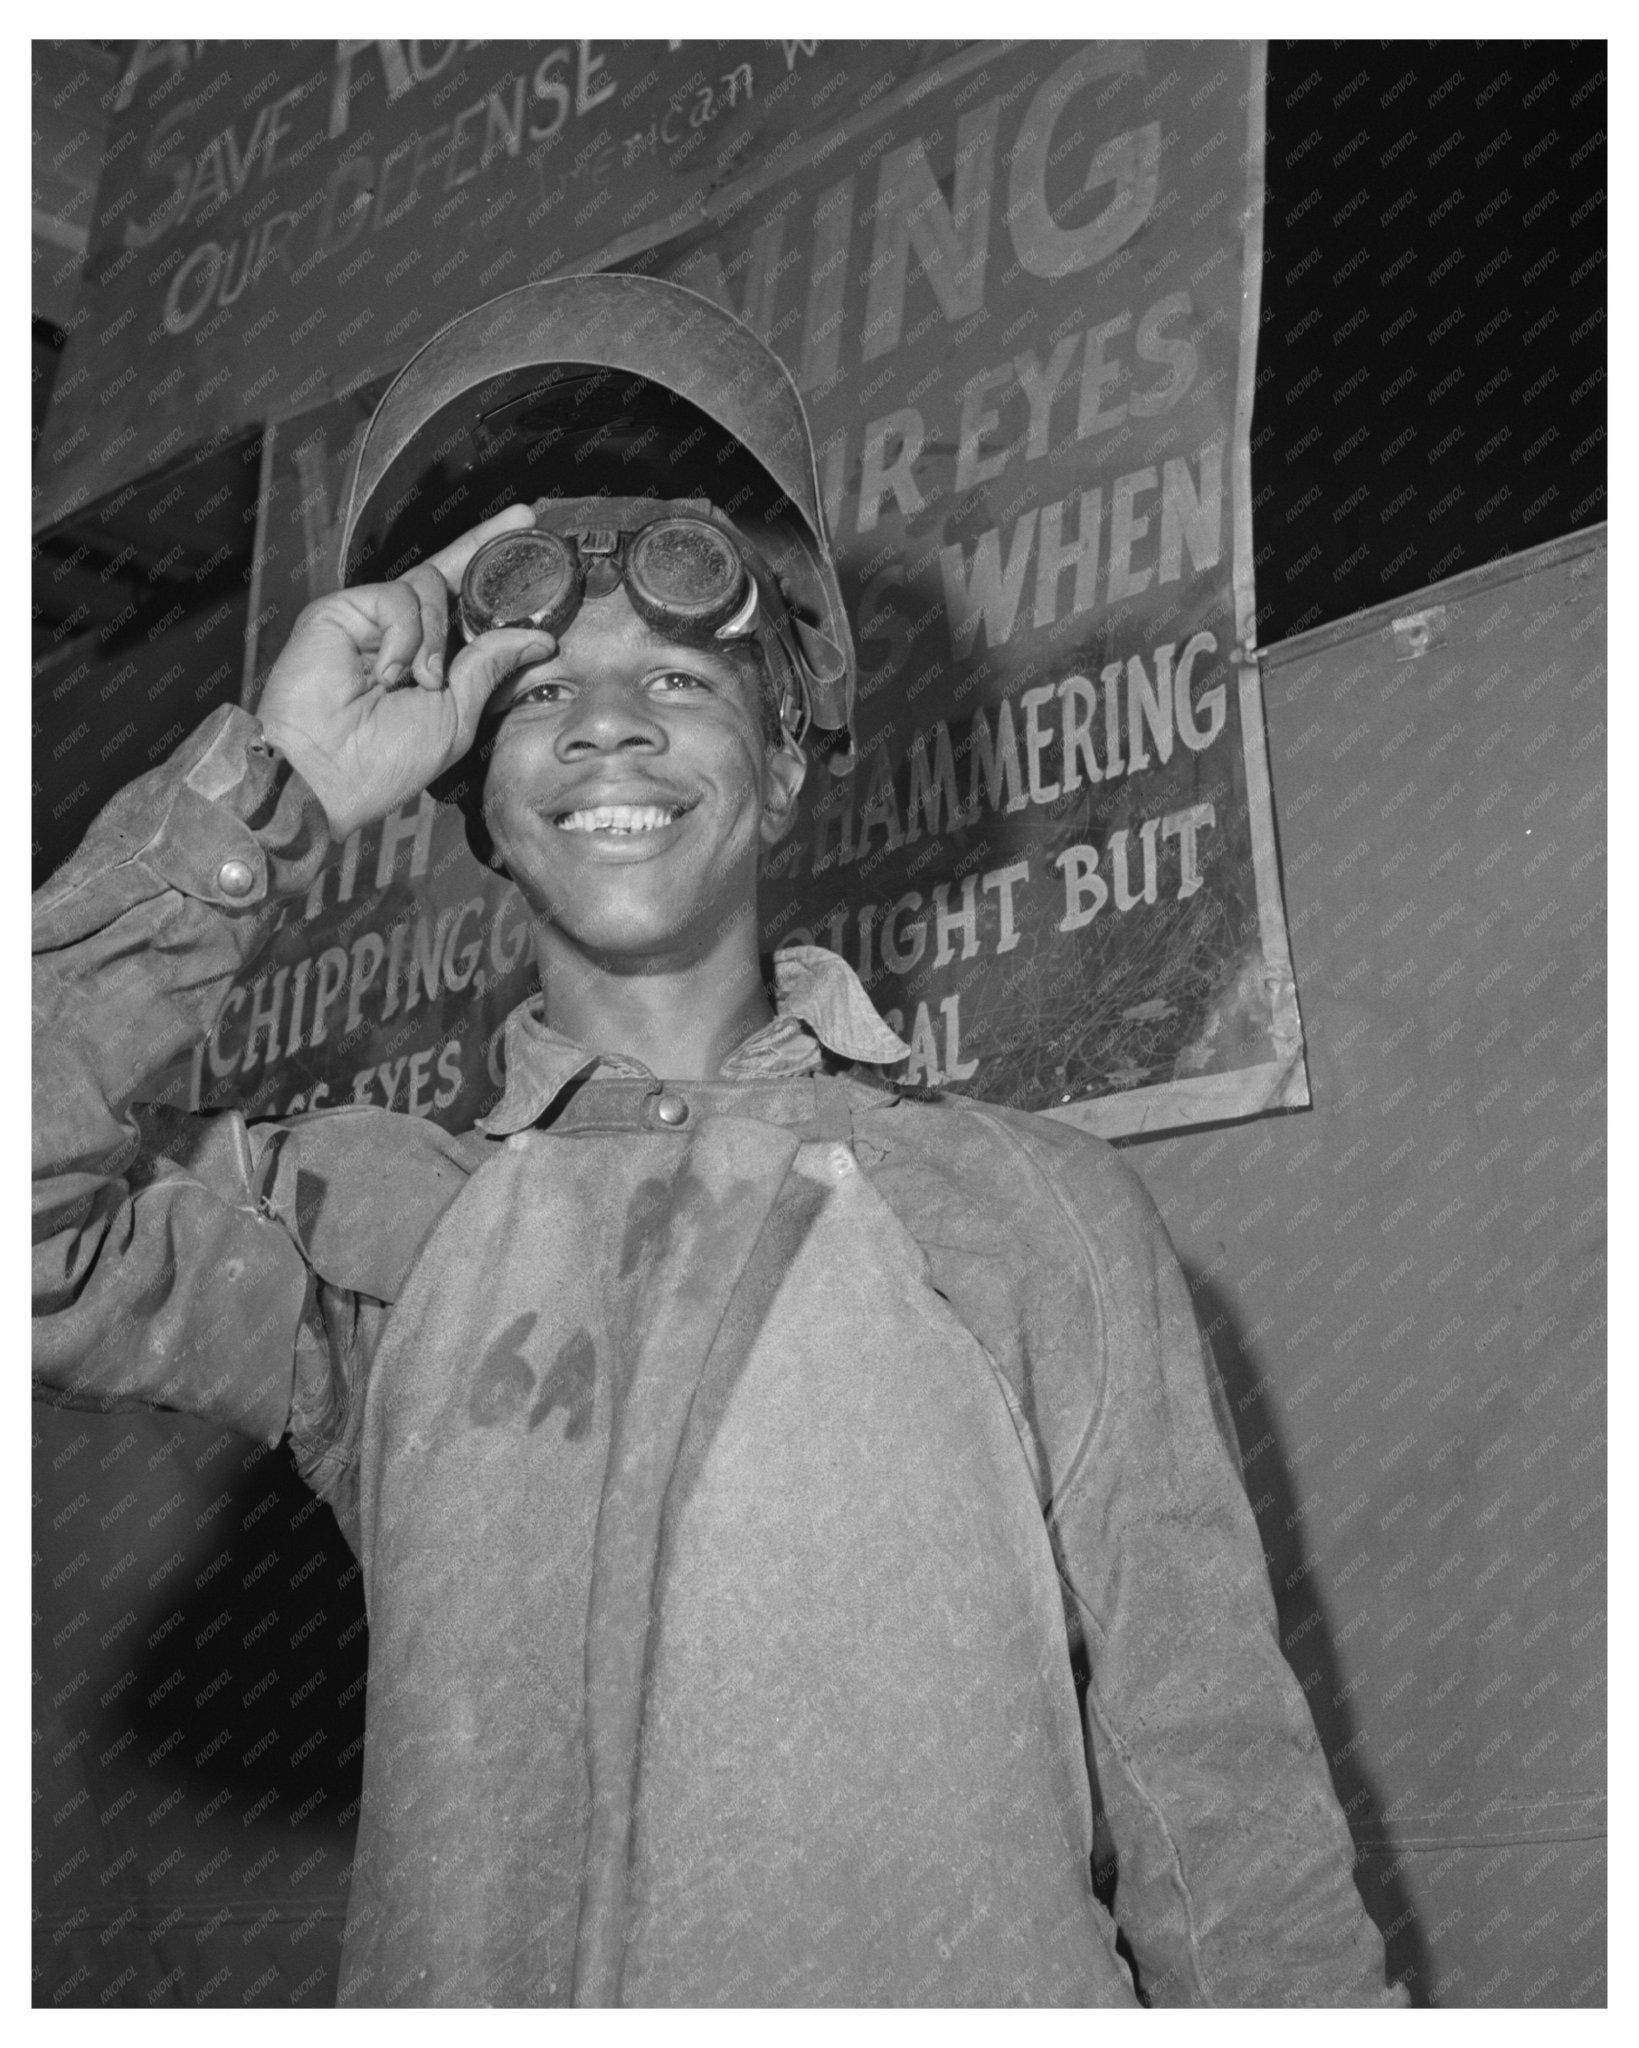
x=159 y=1275
x=1234 y=1860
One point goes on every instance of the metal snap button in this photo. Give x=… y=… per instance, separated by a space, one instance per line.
x=672 y=1109
x=236 y=878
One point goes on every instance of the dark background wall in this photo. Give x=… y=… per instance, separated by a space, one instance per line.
x=1431 y=364
x=1423 y=1244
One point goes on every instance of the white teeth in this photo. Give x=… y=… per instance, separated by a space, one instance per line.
x=621 y=818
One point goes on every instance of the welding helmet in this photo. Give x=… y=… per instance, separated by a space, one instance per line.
x=633 y=391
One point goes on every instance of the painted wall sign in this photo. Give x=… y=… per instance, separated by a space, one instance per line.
x=1024 y=315
x=277 y=222
x=1021 y=302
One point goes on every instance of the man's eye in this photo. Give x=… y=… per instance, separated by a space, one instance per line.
x=676 y=681
x=547 y=691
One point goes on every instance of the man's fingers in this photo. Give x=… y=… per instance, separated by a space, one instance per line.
x=400 y=628
x=433 y=601
x=451 y=562
x=396 y=610
x=485 y=663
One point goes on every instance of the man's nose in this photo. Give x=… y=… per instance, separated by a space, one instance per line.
x=609 y=717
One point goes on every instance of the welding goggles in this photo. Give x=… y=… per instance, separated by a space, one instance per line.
x=687 y=574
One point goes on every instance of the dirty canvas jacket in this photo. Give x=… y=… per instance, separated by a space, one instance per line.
x=740 y=1473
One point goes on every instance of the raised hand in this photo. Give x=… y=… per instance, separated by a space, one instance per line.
x=359 y=703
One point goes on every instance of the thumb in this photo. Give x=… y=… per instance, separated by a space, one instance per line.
x=485 y=663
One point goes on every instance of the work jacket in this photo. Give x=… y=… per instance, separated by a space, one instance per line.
x=789 y=1508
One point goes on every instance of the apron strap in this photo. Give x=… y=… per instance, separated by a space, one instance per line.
x=738 y=1216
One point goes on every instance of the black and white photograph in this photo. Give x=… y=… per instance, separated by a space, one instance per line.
x=819 y=1001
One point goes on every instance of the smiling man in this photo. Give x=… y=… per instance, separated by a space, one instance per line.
x=790 y=1507
x=636 y=778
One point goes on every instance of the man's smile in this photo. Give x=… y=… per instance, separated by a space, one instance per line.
x=620 y=818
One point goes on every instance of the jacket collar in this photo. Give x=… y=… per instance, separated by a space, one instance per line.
x=820 y=1007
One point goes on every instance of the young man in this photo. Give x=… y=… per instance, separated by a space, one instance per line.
x=787 y=1505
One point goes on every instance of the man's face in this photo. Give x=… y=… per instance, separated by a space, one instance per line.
x=631 y=788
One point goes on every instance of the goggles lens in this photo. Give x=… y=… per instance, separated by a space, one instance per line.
x=520 y=579
x=686 y=572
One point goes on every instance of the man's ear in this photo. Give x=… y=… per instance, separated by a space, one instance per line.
x=787 y=768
